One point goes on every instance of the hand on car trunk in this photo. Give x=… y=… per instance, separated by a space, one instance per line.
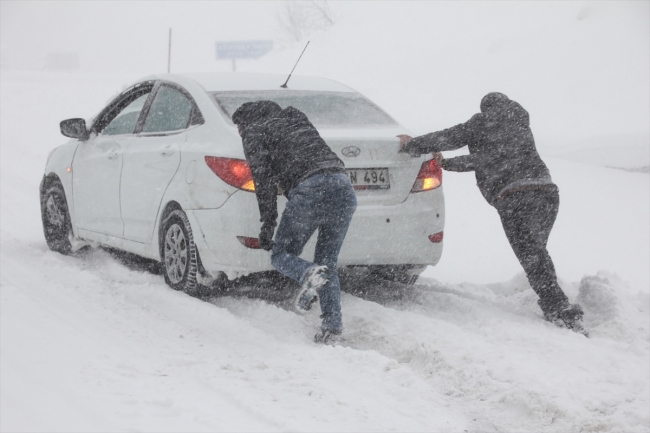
x=403 y=139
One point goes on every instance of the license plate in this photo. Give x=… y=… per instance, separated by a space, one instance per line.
x=369 y=178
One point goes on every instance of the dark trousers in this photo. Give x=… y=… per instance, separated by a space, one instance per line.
x=527 y=218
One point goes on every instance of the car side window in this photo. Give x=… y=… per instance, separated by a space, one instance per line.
x=170 y=111
x=125 y=121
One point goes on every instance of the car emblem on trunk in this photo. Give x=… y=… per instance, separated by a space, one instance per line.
x=351 y=151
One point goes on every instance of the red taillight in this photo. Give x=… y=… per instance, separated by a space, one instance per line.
x=234 y=172
x=436 y=238
x=429 y=177
x=253 y=243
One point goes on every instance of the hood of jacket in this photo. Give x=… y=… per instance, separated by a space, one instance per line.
x=251 y=112
x=497 y=107
x=292 y=113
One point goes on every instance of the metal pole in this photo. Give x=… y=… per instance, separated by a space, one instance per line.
x=169 y=52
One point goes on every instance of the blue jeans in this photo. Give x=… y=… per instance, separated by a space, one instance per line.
x=325 y=202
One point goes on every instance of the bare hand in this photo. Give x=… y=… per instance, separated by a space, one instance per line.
x=403 y=139
x=438 y=157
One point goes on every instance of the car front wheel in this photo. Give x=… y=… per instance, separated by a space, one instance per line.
x=179 y=255
x=56 y=219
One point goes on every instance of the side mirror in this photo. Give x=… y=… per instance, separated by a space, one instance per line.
x=74 y=128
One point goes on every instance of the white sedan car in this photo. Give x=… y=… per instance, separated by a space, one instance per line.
x=160 y=173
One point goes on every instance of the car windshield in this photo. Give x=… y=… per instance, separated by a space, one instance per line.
x=324 y=109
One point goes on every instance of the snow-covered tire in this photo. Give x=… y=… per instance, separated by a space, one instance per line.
x=178 y=253
x=56 y=218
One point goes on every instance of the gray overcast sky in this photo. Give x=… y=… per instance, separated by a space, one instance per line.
x=129 y=36
x=581 y=68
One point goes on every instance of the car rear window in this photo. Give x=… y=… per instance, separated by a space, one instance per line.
x=324 y=109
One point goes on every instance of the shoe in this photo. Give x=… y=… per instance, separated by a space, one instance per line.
x=317 y=277
x=569 y=316
x=327 y=336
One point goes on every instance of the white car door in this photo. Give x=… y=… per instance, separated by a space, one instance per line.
x=152 y=158
x=97 y=164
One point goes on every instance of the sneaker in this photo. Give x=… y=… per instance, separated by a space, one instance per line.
x=317 y=277
x=327 y=336
x=569 y=316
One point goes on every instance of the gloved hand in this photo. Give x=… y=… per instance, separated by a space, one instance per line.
x=403 y=140
x=266 y=236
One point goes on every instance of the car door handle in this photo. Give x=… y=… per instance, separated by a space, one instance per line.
x=169 y=150
x=112 y=155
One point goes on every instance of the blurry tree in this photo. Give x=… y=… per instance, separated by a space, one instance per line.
x=299 y=19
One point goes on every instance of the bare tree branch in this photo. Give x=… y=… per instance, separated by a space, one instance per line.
x=298 y=19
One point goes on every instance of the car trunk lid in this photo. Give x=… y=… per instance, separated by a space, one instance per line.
x=367 y=159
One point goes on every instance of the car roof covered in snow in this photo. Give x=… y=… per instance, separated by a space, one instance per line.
x=237 y=81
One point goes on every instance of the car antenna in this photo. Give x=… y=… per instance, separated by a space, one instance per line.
x=284 y=86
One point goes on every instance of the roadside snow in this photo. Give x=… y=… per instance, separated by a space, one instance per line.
x=625 y=151
x=91 y=337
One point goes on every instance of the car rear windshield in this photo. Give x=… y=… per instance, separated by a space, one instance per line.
x=324 y=109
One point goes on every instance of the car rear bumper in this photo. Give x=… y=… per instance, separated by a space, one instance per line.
x=378 y=235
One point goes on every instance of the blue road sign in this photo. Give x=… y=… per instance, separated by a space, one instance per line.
x=243 y=49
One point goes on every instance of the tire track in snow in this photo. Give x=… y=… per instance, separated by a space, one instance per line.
x=496 y=351
x=489 y=347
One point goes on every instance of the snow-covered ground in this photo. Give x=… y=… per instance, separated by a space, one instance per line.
x=89 y=344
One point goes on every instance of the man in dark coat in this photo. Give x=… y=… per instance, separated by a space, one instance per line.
x=284 y=150
x=513 y=178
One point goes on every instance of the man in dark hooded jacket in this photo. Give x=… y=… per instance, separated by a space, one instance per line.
x=513 y=178
x=285 y=151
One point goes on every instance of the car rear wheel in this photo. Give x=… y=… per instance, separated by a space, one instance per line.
x=405 y=274
x=179 y=255
x=56 y=218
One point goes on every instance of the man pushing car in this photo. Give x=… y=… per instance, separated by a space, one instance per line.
x=284 y=150
x=513 y=178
